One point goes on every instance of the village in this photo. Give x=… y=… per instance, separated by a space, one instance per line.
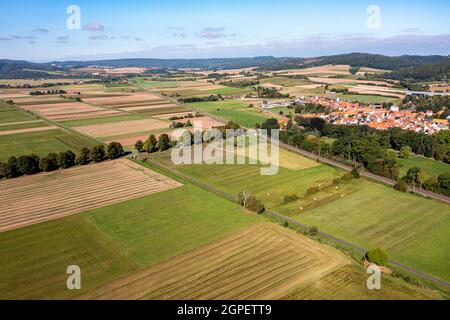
x=375 y=115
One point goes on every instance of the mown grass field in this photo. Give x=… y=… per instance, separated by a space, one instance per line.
x=430 y=166
x=25 y=125
x=35 y=259
x=285 y=81
x=366 y=98
x=112 y=241
x=41 y=143
x=231 y=110
x=230 y=91
x=412 y=229
x=8 y=114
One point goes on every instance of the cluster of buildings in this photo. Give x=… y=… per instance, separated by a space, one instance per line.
x=375 y=116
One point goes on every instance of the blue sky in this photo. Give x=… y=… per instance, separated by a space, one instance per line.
x=36 y=30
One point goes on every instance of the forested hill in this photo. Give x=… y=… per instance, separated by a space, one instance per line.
x=415 y=68
x=216 y=63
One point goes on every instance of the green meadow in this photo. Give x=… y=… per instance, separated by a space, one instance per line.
x=232 y=110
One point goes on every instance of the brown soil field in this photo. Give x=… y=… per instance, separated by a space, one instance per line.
x=123 y=127
x=377 y=90
x=85 y=115
x=205 y=122
x=11 y=132
x=373 y=82
x=149 y=107
x=328 y=69
x=8 y=95
x=69 y=110
x=135 y=97
x=330 y=80
x=48 y=196
x=262 y=262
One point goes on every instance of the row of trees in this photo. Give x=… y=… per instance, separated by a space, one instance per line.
x=48 y=92
x=152 y=144
x=269 y=93
x=416 y=177
x=32 y=164
x=349 y=137
x=201 y=99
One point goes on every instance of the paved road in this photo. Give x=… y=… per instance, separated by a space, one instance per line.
x=347 y=244
x=366 y=174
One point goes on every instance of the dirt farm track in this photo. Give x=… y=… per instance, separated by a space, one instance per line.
x=49 y=196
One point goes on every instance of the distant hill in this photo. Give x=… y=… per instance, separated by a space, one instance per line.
x=217 y=63
x=404 y=68
x=24 y=69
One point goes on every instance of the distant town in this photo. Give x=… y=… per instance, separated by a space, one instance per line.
x=375 y=115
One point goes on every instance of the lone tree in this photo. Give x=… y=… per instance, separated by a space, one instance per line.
x=151 y=145
x=66 y=159
x=98 y=153
x=377 y=256
x=84 y=157
x=249 y=202
x=164 y=142
x=313 y=231
x=115 y=150
x=356 y=172
x=401 y=186
x=139 y=146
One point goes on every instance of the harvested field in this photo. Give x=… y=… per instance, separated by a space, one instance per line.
x=123 y=127
x=85 y=115
x=150 y=107
x=377 y=91
x=204 y=122
x=48 y=196
x=331 y=80
x=27 y=130
x=69 y=111
x=7 y=95
x=261 y=262
x=136 y=97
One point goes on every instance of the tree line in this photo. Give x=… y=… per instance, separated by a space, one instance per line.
x=33 y=164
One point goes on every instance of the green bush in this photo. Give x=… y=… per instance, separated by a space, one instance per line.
x=254 y=205
x=377 y=256
x=290 y=198
x=401 y=186
x=313 y=231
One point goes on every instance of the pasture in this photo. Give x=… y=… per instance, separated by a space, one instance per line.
x=412 y=229
x=409 y=227
x=34 y=199
x=430 y=166
x=41 y=143
x=232 y=110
